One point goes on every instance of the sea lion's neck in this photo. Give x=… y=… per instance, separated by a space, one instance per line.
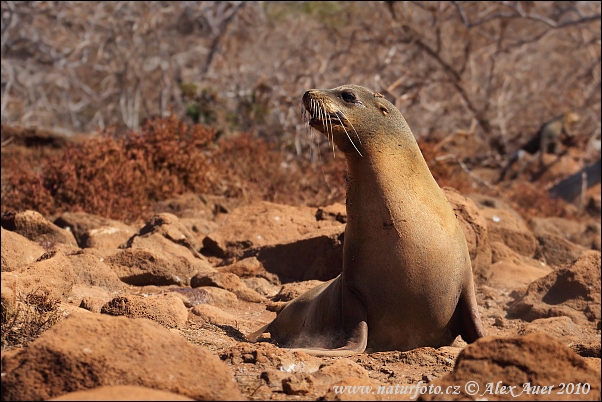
x=395 y=174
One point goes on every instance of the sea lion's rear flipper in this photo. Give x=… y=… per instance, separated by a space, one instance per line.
x=355 y=328
x=467 y=322
x=355 y=344
x=252 y=337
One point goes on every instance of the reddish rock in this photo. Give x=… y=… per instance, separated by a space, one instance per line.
x=535 y=359
x=584 y=234
x=17 y=251
x=35 y=227
x=250 y=268
x=504 y=226
x=317 y=255
x=209 y=295
x=513 y=272
x=261 y=286
x=86 y=351
x=556 y=250
x=261 y=224
x=483 y=201
x=335 y=212
x=121 y=393
x=475 y=230
x=572 y=291
x=265 y=355
x=167 y=310
x=52 y=272
x=95 y=231
x=291 y=290
x=563 y=329
x=142 y=267
x=90 y=270
x=228 y=281
x=213 y=315
x=196 y=212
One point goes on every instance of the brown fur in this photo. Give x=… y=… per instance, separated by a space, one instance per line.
x=407 y=277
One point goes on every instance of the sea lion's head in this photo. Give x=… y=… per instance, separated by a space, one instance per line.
x=353 y=117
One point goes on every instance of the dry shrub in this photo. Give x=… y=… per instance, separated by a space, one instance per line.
x=445 y=173
x=530 y=200
x=113 y=176
x=121 y=177
x=33 y=314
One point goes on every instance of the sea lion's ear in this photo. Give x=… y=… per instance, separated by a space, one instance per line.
x=382 y=108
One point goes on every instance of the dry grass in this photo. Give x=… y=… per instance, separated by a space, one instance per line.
x=24 y=321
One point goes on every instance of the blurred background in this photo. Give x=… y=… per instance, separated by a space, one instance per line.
x=493 y=70
x=83 y=66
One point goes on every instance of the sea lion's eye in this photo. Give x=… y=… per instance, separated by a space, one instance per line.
x=348 y=96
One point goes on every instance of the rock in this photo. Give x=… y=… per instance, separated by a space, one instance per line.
x=316 y=255
x=90 y=270
x=535 y=359
x=266 y=356
x=561 y=328
x=167 y=310
x=332 y=371
x=572 y=291
x=250 y=268
x=335 y=212
x=35 y=227
x=194 y=211
x=209 y=295
x=512 y=273
x=142 y=267
x=556 y=250
x=90 y=350
x=586 y=235
x=95 y=231
x=261 y=224
x=474 y=226
x=52 y=271
x=18 y=251
x=506 y=227
x=228 y=281
x=298 y=384
x=166 y=233
x=213 y=315
x=121 y=393
x=500 y=252
x=483 y=201
x=261 y=286
x=8 y=292
x=291 y=290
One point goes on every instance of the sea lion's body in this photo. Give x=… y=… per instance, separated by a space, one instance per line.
x=407 y=279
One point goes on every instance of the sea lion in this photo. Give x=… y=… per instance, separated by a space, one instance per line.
x=407 y=278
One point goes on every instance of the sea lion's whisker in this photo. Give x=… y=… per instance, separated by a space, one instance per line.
x=348 y=136
x=349 y=121
x=328 y=124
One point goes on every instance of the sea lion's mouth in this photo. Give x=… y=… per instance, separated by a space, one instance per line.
x=330 y=119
